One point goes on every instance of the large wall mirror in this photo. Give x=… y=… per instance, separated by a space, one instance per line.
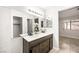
x=36 y=25
x=17 y=26
x=48 y=23
x=42 y=24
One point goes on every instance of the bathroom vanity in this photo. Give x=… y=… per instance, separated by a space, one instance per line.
x=38 y=43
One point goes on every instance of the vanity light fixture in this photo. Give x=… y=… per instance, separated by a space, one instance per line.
x=34 y=12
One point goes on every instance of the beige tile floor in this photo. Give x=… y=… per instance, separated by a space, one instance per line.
x=67 y=45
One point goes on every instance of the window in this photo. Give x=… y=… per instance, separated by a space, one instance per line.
x=67 y=25
x=75 y=25
x=71 y=25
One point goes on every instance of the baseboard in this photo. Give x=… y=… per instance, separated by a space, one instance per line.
x=69 y=37
x=56 y=49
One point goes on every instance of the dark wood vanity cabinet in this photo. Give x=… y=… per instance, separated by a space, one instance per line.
x=51 y=43
x=35 y=49
x=44 y=46
x=41 y=45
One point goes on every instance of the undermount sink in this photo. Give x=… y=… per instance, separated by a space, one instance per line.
x=43 y=30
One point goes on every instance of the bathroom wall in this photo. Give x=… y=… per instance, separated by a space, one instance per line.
x=52 y=12
x=7 y=42
x=5 y=29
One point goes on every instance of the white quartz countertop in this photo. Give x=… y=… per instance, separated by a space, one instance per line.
x=35 y=36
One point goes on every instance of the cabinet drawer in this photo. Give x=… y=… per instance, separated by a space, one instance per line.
x=34 y=43
x=40 y=40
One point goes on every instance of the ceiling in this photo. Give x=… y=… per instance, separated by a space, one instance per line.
x=64 y=7
x=59 y=7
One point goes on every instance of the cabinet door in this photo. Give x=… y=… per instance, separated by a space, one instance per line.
x=44 y=46
x=51 y=43
x=25 y=46
x=35 y=49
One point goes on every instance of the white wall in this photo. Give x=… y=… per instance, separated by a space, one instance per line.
x=7 y=42
x=52 y=12
x=36 y=9
x=5 y=29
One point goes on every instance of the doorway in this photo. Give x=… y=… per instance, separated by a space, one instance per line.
x=69 y=30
